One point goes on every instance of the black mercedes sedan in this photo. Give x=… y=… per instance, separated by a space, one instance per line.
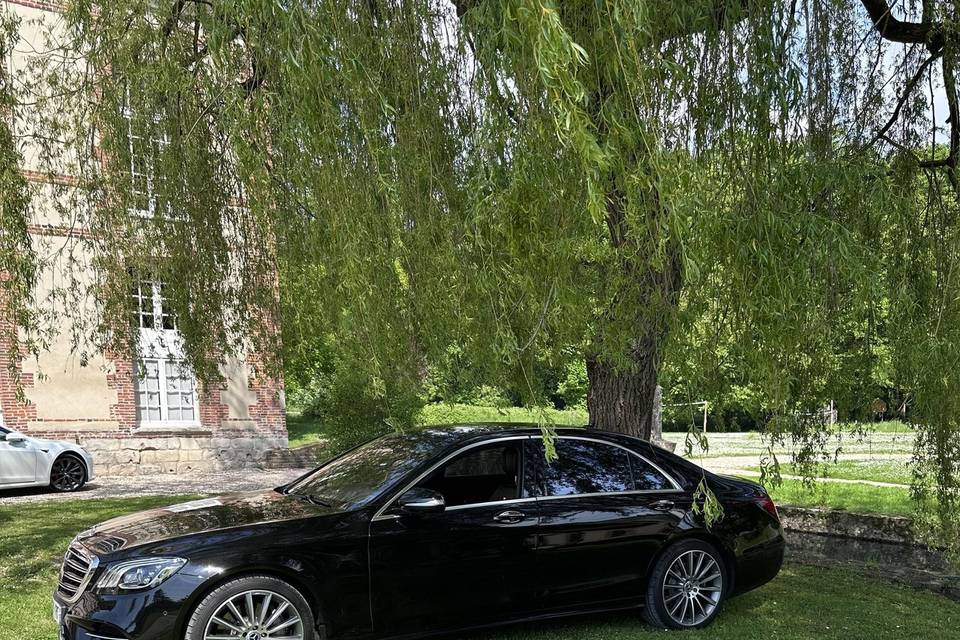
x=423 y=533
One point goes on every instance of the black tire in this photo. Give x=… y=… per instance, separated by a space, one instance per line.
x=209 y=606
x=662 y=614
x=68 y=473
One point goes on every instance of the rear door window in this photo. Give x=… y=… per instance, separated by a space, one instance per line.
x=584 y=466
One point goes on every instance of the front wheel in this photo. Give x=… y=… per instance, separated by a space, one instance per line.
x=686 y=586
x=252 y=608
x=67 y=473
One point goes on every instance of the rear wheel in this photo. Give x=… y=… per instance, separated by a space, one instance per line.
x=252 y=608
x=68 y=473
x=686 y=586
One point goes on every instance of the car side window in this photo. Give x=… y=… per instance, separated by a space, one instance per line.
x=583 y=466
x=646 y=477
x=483 y=474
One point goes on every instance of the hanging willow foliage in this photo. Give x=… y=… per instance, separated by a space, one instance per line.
x=639 y=180
x=19 y=264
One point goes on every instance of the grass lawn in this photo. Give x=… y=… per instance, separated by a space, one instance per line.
x=433 y=414
x=803 y=603
x=887 y=426
x=895 y=471
x=305 y=430
x=751 y=443
x=858 y=498
x=33 y=539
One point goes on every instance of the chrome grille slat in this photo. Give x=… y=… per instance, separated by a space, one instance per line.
x=75 y=576
x=73 y=564
x=76 y=571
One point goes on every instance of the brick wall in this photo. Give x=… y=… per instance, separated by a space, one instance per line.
x=46 y=5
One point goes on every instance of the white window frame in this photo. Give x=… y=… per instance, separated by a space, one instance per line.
x=147 y=164
x=165 y=347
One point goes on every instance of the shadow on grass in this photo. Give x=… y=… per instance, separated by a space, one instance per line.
x=34 y=537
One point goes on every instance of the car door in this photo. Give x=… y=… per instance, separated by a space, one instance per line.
x=18 y=460
x=604 y=513
x=467 y=565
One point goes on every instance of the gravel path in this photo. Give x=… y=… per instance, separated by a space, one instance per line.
x=159 y=485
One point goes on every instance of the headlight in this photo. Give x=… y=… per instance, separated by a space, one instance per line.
x=145 y=573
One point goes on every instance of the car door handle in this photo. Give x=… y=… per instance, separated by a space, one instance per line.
x=662 y=505
x=509 y=517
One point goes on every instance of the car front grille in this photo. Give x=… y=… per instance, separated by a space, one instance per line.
x=78 y=566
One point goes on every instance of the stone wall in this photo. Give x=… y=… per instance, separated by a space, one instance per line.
x=881 y=546
x=179 y=453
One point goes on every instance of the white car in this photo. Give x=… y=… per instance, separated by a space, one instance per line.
x=31 y=462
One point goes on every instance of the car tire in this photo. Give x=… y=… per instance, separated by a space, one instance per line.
x=686 y=587
x=68 y=473
x=268 y=597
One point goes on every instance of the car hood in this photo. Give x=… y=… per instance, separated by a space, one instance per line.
x=197 y=516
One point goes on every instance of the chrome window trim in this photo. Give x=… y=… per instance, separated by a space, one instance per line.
x=676 y=485
x=609 y=494
x=379 y=515
x=475 y=505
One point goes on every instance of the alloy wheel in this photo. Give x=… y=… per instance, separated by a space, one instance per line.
x=692 y=587
x=255 y=615
x=67 y=474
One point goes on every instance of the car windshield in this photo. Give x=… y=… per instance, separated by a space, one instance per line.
x=359 y=476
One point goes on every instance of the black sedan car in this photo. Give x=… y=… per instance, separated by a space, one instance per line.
x=428 y=532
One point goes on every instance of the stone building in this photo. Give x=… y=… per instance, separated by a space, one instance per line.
x=149 y=419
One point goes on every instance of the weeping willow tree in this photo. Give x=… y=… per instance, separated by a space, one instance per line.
x=512 y=177
x=18 y=264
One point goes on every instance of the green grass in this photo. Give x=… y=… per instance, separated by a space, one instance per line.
x=751 y=443
x=302 y=429
x=305 y=430
x=33 y=539
x=894 y=471
x=802 y=603
x=433 y=414
x=857 y=498
x=887 y=426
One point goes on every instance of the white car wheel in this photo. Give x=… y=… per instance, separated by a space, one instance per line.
x=67 y=473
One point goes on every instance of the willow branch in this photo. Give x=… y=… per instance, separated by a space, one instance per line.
x=911 y=85
x=895 y=30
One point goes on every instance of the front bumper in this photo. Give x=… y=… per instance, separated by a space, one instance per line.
x=154 y=614
x=88 y=460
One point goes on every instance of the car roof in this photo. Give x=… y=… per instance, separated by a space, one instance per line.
x=465 y=432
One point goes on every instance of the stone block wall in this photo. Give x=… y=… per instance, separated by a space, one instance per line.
x=179 y=453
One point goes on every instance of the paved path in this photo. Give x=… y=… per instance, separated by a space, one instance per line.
x=159 y=485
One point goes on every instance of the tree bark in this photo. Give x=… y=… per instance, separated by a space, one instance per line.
x=622 y=400
x=621 y=395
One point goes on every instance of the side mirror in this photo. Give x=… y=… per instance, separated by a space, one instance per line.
x=13 y=437
x=422 y=501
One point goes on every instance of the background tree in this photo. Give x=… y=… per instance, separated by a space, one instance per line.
x=513 y=178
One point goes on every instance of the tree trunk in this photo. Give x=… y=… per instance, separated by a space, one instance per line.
x=622 y=400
